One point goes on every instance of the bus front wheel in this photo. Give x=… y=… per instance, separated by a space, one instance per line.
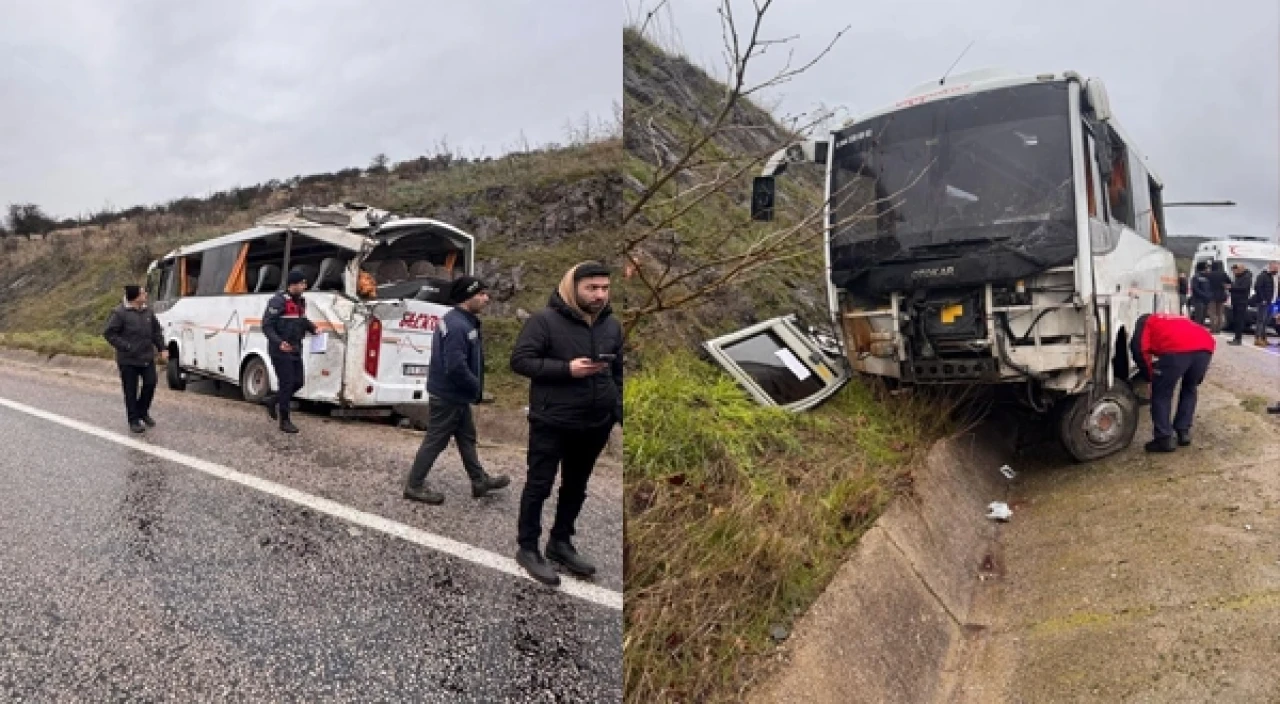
x=1093 y=426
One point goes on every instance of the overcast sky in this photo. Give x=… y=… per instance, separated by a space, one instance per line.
x=1194 y=83
x=141 y=101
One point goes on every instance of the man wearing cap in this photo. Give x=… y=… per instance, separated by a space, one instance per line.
x=136 y=336
x=455 y=381
x=285 y=324
x=572 y=352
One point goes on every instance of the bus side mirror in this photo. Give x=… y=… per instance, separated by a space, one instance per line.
x=762 y=192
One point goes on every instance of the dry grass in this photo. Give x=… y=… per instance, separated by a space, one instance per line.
x=738 y=516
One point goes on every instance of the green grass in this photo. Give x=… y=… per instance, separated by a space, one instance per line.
x=51 y=342
x=739 y=515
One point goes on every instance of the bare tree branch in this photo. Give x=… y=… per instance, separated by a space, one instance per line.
x=678 y=257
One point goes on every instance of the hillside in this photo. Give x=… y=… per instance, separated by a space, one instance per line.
x=669 y=102
x=533 y=215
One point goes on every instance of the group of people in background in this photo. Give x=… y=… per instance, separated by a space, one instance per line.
x=1173 y=352
x=571 y=351
x=1206 y=294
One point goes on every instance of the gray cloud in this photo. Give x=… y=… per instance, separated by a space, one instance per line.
x=1193 y=83
x=145 y=101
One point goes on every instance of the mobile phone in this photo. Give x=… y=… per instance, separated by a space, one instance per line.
x=605 y=357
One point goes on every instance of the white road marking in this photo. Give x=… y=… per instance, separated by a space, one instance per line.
x=479 y=556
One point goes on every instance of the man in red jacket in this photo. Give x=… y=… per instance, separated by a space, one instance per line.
x=1168 y=349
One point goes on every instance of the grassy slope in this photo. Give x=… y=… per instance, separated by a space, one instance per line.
x=737 y=515
x=60 y=291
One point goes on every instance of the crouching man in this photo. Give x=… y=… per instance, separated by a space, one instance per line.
x=1169 y=350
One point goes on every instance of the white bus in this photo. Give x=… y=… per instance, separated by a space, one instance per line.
x=994 y=230
x=374 y=345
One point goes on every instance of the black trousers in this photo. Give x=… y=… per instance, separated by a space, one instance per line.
x=1188 y=368
x=138 y=405
x=572 y=453
x=447 y=420
x=290 y=377
x=1239 y=312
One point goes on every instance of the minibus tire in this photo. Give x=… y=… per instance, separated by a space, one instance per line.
x=173 y=374
x=255 y=365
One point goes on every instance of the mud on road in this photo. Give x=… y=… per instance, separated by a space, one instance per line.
x=1142 y=578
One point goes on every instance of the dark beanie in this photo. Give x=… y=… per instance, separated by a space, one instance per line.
x=590 y=269
x=296 y=277
x=464 y=287
x=132 y=292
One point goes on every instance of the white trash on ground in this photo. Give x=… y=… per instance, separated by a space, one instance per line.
x=999 y=511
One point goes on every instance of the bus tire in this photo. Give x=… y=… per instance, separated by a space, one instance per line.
x=255 y=380
x=1092 y=428
x=173 y=373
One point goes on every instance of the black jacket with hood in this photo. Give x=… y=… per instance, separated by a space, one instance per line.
x=135 y=334
x=553 y=337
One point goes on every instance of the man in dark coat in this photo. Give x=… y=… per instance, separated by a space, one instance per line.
x=136 y=336
x=285 y=324
x=572 y=352
x=1241 y=287
x=455 y=381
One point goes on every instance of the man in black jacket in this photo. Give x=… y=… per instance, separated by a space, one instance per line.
x=572 y=352
x=136 y=336
x=455 y=381
x=1241 y=286
x=285 y=324
x=1263 y=301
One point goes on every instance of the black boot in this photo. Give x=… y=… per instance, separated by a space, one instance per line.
x=149 y=421
x=287 y=426
x=423 y=494
x=137 y=426
x=1161 y=445
x=537 y=567
x=1274 y=408
x=1184 y=438
x=562 y=551
x=270 y=403
x=488 y=484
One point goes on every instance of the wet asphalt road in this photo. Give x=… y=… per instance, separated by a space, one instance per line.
x=127 y=577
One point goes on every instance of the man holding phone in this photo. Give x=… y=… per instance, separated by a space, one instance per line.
x=572 y=352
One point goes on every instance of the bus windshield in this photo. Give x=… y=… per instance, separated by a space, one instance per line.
x=956 y=175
